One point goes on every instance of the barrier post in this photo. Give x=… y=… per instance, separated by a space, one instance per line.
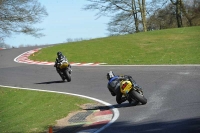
x=50 y=129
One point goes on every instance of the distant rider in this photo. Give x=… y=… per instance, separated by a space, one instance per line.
x=59 y=59
x=114 y=86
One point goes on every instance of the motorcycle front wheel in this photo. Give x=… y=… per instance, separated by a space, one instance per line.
x=62 y=77
x=140 y=97
x=68 y=75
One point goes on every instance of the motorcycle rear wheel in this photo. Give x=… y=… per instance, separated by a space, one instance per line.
x=140 y=97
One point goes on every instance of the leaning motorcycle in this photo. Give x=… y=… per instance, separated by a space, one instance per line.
x=65 y=71
x=132 y=92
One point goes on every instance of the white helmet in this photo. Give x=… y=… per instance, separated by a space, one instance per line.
x=110 y=75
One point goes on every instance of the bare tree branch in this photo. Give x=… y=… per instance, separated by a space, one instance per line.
x=19 y=16
x=121 y=11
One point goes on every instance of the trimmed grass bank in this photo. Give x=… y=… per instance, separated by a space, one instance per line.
x=171 y=46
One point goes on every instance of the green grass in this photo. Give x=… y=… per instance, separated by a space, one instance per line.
x=171 y=46
x=26 y=111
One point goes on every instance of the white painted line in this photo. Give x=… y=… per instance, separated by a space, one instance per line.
x=115 y=111
x=153 y=65
x=23 y=54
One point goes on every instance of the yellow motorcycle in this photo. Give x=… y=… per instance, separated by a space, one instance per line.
x=132 y=92
x=65 y=71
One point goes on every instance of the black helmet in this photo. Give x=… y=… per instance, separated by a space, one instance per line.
x=60 y=55
x=110 y=75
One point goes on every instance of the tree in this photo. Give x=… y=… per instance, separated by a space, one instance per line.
x=191 y=10
x=163 y=18
x=18 y=16
x=178 y=4
x=171 y=14
x=161 y=7
x=142 y=8
x=127 y=15
x=3 y=45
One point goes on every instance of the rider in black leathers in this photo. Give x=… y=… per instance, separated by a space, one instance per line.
x=114 y=86
x=59 y=59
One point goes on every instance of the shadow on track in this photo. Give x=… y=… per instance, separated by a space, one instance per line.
x=123 y=105
x=51 y=82
x=191 y=125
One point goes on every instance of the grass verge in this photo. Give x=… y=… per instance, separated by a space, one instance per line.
x=171 y=46
x=26 y=111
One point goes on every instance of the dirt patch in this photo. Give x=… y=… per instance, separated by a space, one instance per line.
x=64 y=121
x=77 y=119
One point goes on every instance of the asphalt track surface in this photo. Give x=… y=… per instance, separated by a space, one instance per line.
x=173 y=92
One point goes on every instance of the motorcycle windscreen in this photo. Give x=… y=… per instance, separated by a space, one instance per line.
x=64 y=65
